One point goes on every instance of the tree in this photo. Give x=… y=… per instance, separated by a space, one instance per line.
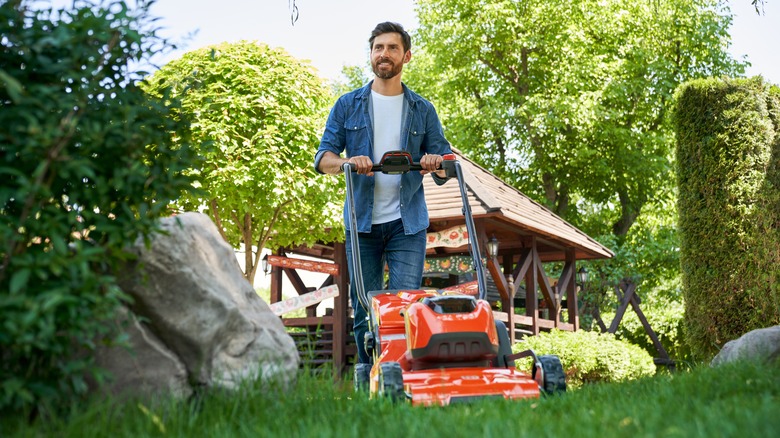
x=263 y=111
x=567 y=100
x=86 y=167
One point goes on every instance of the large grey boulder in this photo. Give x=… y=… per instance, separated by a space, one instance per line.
x=189 y=291
x=148 y=369
x=757 y=345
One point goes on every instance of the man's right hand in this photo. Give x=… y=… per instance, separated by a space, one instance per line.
x=332 y=164
x=363 y=164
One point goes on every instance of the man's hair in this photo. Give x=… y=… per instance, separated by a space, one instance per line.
x=388 y=27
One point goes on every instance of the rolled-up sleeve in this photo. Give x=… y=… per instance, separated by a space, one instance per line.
x=333 y=139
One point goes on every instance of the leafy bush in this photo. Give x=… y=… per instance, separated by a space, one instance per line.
x=589 y=357
x=85 y=168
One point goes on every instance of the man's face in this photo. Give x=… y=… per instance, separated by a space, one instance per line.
x=388 y=56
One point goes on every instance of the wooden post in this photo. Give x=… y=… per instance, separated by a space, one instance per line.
x=520 y=273
x=276 y=281
x=629 y=296
x=571 y=291
x=625 y=300
x=531 y=286
x=508 y=264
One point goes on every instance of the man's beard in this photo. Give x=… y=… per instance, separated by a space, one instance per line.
x=386 y=74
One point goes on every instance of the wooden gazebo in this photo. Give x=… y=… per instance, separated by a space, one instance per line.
x=528 y=237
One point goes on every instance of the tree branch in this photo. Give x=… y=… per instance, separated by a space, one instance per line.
x=217 y=220
x=262 y=240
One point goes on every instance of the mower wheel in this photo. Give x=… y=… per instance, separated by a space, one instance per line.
x=391 y=381
x=553 y=377
x=362 y=376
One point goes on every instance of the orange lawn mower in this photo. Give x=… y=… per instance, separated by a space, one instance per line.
x=435 y=347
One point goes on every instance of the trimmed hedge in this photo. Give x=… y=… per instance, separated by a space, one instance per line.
x=729 y=214
x=589 y=357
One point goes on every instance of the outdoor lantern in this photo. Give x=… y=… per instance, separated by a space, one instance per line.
x=264 y=265
x=583 y=274
x=492 y=247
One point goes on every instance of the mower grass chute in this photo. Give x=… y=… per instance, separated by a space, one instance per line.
x=435 y=348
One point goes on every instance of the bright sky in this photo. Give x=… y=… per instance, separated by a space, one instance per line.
x=334 y=33
x=329 y=33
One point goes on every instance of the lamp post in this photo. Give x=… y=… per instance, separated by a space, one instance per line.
x=492 y=247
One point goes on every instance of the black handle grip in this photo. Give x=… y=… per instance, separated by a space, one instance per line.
x=393 y=169
x=398 y=162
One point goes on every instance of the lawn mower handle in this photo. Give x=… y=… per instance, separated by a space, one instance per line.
x=397 y=162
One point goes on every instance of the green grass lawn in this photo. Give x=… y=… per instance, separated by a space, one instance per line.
x=736 y=401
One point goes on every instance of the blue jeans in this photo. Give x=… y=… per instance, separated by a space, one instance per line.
x=405 y=257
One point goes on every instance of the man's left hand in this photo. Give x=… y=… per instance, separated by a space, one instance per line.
x=432 y=163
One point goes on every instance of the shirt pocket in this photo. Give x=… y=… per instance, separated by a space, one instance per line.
x=415 y=140
x=357 y=142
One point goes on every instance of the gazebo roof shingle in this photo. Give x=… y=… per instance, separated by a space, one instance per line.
x=505 y=211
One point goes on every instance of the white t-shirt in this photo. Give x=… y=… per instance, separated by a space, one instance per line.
x=387 y=137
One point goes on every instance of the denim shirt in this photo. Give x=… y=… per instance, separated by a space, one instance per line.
x=350 y=126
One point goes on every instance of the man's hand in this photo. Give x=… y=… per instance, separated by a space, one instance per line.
x=363 y=164
x=431 y=163
x=332 y=164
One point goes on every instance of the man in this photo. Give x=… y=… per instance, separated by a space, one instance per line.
x=392 y=218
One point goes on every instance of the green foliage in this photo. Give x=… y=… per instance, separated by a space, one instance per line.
x=86 y=166
x=649 y=256
x=722 y=402
x=567 y=100
x=263 y=111
x=728 y=145
x=665 y=310
x=355 y=77
x=589 y=357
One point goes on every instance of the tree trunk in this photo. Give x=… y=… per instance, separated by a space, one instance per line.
x=629 y=211
x=557 y=195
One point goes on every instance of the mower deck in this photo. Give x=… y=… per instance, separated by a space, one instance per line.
x=458 y=367
x=454 y=385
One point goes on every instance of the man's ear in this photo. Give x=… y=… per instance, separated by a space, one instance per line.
x=407 y=56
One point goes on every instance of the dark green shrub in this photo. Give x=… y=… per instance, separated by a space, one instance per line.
x=589 y=357
x=85 y=168
x=727 y=158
